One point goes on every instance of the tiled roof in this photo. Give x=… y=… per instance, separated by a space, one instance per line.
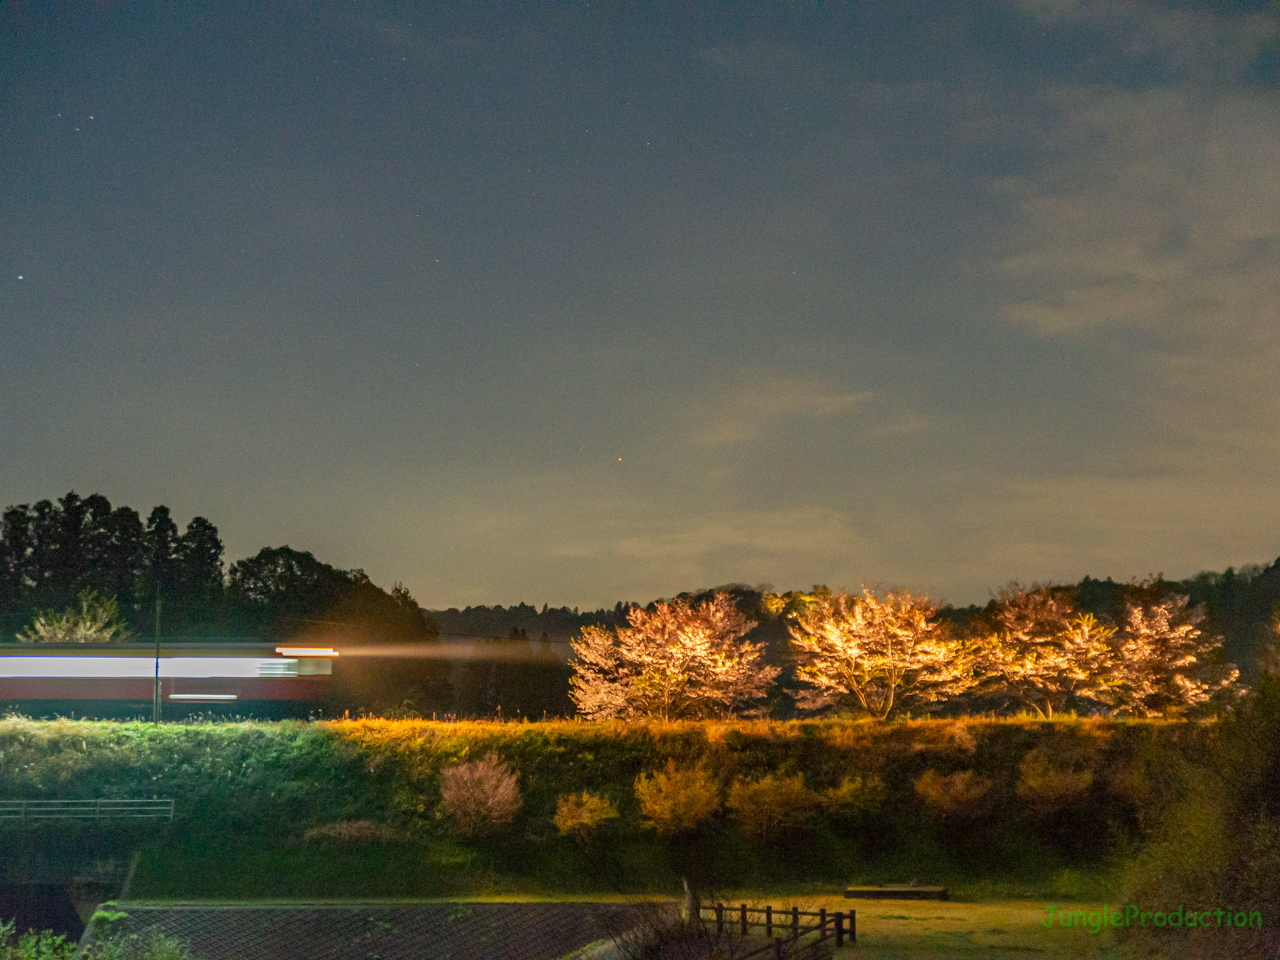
x=383 y=931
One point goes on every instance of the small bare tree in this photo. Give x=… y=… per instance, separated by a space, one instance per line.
x=481 y=795
x=875 y=652
x=679 y=660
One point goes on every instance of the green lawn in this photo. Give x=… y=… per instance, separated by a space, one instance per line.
x=986 y=917
x=914 y=930
x=249 y=868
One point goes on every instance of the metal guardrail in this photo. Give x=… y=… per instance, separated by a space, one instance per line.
x=86 y=810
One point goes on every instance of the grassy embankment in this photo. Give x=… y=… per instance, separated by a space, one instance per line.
x=1065 y=803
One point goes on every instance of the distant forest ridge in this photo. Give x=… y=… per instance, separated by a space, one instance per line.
x=52 y=551
x=1239 y=605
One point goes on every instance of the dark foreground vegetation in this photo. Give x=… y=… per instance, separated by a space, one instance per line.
x=309 y=809
x=47 y=945
x=1152 y=812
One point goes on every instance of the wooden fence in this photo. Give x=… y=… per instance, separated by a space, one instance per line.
x=783 y=927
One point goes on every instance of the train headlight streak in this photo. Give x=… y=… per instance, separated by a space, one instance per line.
x=306 y=651
x=121 y=668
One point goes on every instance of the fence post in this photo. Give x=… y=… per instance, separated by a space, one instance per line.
x=853 y=926
x=795 y=922
x=744 y=919
x=822 y=922
x=839 y=929
x=719 y=918
x=777 y=948
x=768 y=921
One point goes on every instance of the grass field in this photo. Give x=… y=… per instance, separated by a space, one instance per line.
x=249 y=868
x=914 y=930
x=987 y=916
x=910 y=930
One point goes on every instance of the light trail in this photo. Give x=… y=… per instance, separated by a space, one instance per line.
x=133 y=668
x=513 y=650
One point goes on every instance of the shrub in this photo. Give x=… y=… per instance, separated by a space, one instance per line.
x=45 y=945
x=353 y=833
x=655 y=932
x=480 y=796
x=151 y=944
x=675 y=799
x=1218 y=840
x=771 y=802
x=580 y=815
x=855 y=797
x=1046 y=788
x=957 y=795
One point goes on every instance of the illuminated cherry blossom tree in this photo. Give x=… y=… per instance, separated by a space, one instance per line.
x=1044 y=654
x=680 y=660
x=95 y=619
x=875 y=653
x=1165 y=663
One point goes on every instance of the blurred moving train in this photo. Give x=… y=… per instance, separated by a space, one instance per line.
x=123 y=675
x=277 y=681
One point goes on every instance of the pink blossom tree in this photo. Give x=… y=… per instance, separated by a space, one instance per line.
x=875 y=653
x=1044 y=654
x=1165 y=664
x=679 y=660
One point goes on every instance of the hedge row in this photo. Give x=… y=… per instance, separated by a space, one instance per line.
x=283 y=779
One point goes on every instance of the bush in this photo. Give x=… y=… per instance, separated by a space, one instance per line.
x=656 y=933
x=855 y=797
x=674 y=800
x=247 y=782
x=1045 y=788
x=1217 y=842
x=353 y=833
x=771 y=802
x=956 y=796
x=148 y=945
x=480 y=796
x=45 y=945
x=580 y=815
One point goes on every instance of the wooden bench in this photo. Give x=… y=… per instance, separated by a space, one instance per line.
x=896 y=891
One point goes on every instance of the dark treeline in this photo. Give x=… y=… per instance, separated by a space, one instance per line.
x=524 y=621
x=50 y=552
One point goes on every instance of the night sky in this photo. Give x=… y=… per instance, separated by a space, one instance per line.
x=577 y=304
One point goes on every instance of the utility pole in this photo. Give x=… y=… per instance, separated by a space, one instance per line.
x=155 y=702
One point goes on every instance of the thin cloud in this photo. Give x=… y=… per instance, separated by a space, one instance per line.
x=1164 y=215
x=753 y=410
